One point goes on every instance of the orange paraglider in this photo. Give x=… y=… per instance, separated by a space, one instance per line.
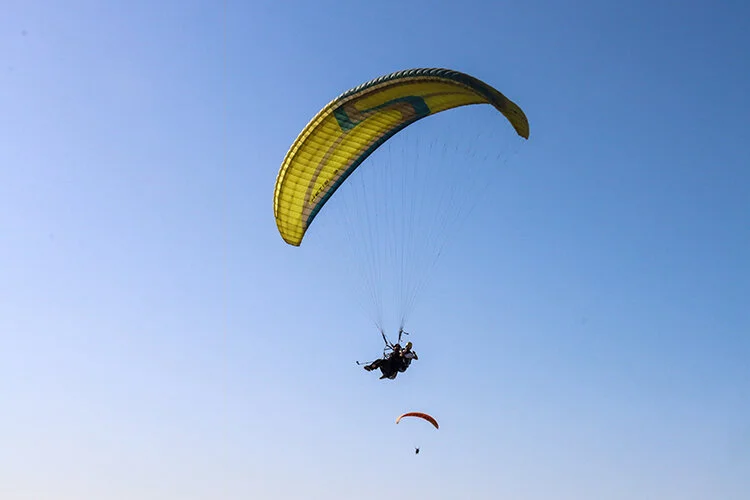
x=423 y=416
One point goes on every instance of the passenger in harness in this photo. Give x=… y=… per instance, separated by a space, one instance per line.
x=396 y=361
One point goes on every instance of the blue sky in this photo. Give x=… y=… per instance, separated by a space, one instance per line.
x=159 y=339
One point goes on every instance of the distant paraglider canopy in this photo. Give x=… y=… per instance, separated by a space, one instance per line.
x=423 y=416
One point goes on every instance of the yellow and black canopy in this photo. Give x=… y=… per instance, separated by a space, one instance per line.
x=346 y=131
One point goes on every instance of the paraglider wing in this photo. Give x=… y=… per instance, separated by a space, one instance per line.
x=346 y=131
x=421 y=415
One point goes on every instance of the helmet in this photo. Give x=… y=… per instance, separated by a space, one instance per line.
x=408 y=346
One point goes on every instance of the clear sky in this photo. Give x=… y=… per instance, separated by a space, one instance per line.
x=161 y=341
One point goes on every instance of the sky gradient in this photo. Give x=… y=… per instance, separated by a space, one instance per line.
x=161 y=341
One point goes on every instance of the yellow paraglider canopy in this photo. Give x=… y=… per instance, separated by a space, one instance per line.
x=346 y=131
